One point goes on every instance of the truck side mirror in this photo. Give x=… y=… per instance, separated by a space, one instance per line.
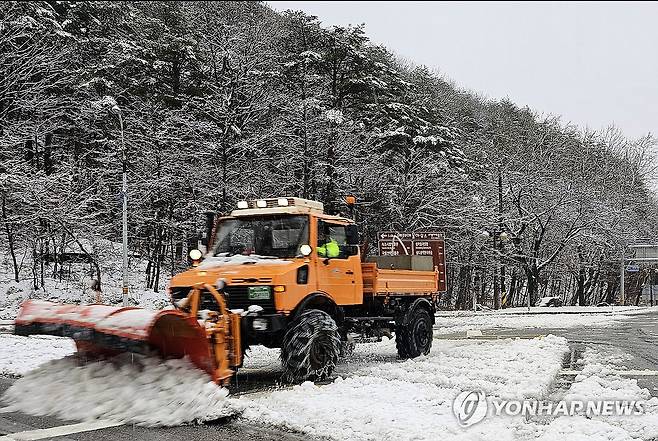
x=352 y=234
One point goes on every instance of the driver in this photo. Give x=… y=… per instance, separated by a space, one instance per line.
x=329 y=249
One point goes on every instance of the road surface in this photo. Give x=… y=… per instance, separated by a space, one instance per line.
x=636 y=336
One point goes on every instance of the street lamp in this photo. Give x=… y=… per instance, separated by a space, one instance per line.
x=115 y=109
x=500 y=238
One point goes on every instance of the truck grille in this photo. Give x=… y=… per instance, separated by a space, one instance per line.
x=237 y=297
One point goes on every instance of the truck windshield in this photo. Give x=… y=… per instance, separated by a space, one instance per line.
x=265 y=236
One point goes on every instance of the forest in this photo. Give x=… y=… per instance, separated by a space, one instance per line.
x=224 y=101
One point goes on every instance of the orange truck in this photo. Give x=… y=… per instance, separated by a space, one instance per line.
x=279 y=272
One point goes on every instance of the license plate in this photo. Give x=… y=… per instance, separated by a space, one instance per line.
x=259 y=292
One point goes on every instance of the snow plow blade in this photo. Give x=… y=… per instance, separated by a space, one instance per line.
x=107 y=330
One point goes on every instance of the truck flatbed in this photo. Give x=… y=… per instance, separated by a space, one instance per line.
x=377 y=281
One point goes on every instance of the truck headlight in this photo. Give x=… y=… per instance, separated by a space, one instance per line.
x=259 y=324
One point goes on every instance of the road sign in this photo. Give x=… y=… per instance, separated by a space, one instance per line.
x=417 y=243
x=643 y=252
x=632 y=268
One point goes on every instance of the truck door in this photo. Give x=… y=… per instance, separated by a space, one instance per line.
x=338 y=265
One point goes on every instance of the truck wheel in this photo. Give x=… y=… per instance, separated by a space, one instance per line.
x=311 y=347
x=415 y=338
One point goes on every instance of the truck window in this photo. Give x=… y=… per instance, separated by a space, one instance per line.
x=332 y=240
x=267 y=236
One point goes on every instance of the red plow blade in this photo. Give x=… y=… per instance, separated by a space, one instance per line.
x=108 y=330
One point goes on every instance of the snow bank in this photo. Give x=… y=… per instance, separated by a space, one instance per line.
x=599 y=380
x=22 y=354
x=380 y=398
x=127 y=389
x=462 y=323
x=507 y=368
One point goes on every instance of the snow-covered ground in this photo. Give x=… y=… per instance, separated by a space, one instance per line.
x=75 y=285
x=12 y=294
x=460 y=321
x=372 y=387
x=18 y=355
x=374 y=397
x=562 y=310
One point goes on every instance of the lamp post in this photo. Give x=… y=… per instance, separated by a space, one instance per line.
x=499 y=238
x=651 y=279
x=115 y=109
x=622 y=275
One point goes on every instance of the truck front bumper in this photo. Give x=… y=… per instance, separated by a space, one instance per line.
x=265 y=329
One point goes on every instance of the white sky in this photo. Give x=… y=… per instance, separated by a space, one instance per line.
x=593 y=63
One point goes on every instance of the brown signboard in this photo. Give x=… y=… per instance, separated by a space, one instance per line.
x=418 y=243
x=395 y=248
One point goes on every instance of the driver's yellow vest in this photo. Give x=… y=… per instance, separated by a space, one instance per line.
x=329 y=249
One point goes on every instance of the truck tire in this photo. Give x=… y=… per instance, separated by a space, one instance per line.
x=311 y=347
x=414 y=338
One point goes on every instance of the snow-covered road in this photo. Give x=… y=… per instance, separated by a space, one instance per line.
x=377 y=397
x=374 y=396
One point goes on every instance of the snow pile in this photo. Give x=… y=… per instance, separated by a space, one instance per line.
x=599 y=380
x=127 y=389
x=22 y=354
x=387 y=399
x=508 y=368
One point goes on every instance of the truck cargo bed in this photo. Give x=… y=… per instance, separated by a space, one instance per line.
x=377 y=281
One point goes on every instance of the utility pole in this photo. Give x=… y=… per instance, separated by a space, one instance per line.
x=503 y=291
x=651 y=277
x=124 y=195
x=475 y=290
x=496 y=281
x=622 y=294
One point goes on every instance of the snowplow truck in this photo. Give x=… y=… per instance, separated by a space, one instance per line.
x=278 y=272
